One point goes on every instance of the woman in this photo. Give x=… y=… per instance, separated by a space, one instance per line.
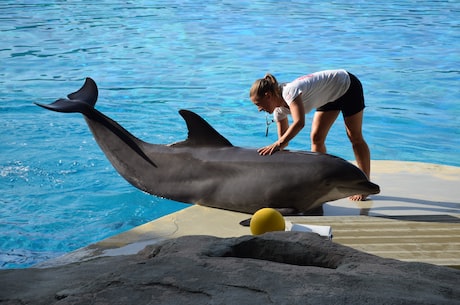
x=329 y=92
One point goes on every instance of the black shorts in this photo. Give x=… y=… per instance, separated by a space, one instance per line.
x=351 y=102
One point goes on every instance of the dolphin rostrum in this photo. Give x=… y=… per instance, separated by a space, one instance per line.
x=206 y=169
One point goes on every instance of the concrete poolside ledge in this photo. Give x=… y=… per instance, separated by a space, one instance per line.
x=415 y=218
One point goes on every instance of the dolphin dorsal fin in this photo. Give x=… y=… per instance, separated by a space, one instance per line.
x=200 y=133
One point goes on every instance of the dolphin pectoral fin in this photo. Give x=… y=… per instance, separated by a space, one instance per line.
x=246 y=222
x=317 y=211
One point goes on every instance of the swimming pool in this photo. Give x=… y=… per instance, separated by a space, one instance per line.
x=152 y=58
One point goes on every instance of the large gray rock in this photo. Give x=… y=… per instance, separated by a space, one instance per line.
x=274 y=268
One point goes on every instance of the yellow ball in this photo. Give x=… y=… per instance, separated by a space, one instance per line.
x=266 y=220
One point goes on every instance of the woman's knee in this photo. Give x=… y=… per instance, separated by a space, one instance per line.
x=356 y=139
x=317 y=138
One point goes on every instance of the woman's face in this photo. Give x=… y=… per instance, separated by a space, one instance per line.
x=264 y=103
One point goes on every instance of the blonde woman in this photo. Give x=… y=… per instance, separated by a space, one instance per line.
x=329 y=92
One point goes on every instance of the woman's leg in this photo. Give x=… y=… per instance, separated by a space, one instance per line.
x=353 y=125
x=322 y=122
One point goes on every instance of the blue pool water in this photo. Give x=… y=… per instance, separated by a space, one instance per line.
x=152 y=58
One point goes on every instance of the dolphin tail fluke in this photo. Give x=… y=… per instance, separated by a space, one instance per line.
x=67 y=106
x=81 y=101
x=88 y=93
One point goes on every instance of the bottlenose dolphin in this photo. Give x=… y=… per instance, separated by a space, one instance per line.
x=206 y=169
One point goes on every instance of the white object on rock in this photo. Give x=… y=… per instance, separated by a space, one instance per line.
x=325 y=231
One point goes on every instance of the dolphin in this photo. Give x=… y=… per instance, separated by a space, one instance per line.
x=206 y=169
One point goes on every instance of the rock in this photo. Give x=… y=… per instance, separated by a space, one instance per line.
x=274 y=268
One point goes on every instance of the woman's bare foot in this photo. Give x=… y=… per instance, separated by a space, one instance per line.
x=360 y=197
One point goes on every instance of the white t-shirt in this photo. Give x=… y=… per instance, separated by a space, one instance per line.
x=317 y=89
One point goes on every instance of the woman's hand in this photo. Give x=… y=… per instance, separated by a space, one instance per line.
x=270 y=149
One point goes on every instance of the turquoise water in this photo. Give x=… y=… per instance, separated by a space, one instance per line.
x=152 y=58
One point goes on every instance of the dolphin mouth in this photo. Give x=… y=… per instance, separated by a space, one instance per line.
x=364 y=187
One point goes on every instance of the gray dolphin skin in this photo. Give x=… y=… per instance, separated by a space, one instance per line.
x=206 y=169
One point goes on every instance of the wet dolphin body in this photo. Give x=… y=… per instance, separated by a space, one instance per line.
x=207 y=169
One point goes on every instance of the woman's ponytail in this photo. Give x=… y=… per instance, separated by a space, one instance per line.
x=264 y=85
